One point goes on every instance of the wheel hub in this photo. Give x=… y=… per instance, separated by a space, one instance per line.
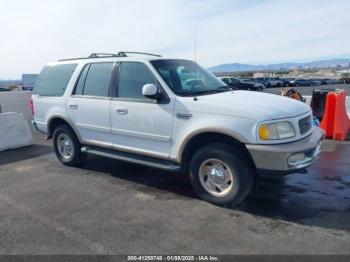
x=64 y=146
x=67 y=146
x=217 y=175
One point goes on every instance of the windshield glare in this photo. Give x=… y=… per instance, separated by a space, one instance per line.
x=187 y=78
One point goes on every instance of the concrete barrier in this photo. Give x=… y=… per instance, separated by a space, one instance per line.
x=14 y=131
x=16 y=101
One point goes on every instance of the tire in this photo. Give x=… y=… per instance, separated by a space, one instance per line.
x=231 y=162
x=67 y=146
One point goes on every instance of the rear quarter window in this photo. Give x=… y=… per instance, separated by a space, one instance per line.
x=53 y=79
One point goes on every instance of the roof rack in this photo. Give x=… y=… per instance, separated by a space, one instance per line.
x=105 y=55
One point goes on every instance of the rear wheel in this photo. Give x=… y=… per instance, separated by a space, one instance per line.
x=221 y=174
x=67 y=146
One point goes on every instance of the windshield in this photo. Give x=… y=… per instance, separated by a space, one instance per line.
x=186 y=78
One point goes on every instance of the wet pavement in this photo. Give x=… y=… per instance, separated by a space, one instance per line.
x=323 y=190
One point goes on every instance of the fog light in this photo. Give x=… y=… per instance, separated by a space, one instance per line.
x=296 y=158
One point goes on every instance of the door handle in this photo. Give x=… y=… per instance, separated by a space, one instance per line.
x=73 y=106
x=121 y=111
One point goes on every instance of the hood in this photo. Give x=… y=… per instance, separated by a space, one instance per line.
x=247 y=104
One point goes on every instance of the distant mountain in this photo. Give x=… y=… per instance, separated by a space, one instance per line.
x=237 y=67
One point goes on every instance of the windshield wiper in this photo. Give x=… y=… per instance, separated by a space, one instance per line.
x=220 y=89
x=226 y=88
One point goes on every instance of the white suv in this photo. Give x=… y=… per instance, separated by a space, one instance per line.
x=174 y=115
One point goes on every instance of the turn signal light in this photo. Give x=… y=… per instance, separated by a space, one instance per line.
x=264 y=132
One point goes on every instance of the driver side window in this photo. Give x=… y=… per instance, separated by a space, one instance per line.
x=132 y=77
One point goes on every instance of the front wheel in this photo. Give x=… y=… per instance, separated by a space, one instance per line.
x=67 y=146
x=221 y=174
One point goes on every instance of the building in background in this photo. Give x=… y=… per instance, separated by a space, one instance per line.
x=28 y=81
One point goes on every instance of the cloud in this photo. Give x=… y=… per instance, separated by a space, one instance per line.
x=34 y=32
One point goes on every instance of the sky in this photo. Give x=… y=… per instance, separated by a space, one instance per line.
x=35 y=32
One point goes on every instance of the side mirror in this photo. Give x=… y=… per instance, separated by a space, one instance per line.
x=150 y=91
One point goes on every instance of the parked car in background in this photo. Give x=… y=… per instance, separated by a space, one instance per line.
x=268 y=82
x=261 y=80
x=285 y=81
x=241 y=84
x=315 y=82
x=275 y=82
x=327 y=81
x=301 y=82
x=259 y=86
x=3 y=89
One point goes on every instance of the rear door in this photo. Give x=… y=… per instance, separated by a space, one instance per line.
x=138 y=124
x=89 y=104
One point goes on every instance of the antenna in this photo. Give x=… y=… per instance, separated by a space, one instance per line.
x=195 y=45
x=195 y=52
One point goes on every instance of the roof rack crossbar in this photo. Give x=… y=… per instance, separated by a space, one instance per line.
x=105 y=55
x=125 y=54
x=98 y=55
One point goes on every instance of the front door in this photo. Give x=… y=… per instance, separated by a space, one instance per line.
x=138 y=124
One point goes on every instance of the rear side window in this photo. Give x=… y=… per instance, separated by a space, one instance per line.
x=95 y=80
x=54 y=79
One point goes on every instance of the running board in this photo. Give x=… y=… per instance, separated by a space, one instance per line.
x=140 y=160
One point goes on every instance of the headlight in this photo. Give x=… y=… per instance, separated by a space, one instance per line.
x=275 y=131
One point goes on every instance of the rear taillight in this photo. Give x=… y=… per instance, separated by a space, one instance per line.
x=31 y=105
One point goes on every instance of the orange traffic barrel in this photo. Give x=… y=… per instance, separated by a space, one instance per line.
x=335 y=121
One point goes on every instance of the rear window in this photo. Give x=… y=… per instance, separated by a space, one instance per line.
x=53 y=79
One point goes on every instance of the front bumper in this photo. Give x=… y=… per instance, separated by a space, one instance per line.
x=287 y=158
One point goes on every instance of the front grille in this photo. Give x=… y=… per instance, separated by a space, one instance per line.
x=305 y=125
